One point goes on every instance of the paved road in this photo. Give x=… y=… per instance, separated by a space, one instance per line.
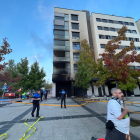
x=72 y=123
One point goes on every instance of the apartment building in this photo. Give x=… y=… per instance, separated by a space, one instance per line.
x=70 y=28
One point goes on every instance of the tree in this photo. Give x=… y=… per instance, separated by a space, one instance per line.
x=3 y=51
x=12 y=68
x=85 y=65
x=47 y=85
x=117 y=63
x=36 y=77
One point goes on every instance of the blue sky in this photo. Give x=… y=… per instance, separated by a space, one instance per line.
x=28 y=25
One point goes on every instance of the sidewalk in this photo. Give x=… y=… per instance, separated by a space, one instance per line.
x=71 y=123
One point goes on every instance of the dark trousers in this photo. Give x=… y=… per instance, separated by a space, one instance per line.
x=41 y=96
x=63 y=98
x=114 y=134
x=45 y=96
x=35 y=105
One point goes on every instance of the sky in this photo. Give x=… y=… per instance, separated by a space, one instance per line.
x=28 y=25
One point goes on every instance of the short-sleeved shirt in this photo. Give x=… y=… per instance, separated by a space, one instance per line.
x=63 y=93
x=113 y=112
x=36 y=96
x=44 y=91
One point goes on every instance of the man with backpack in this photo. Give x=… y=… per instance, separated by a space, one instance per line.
x=118 y=121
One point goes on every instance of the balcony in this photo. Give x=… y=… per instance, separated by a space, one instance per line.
x=58 y=78
x=61 y=71
x=61 y=27
x=61 y=37
x=64 y=59
x=61 y=48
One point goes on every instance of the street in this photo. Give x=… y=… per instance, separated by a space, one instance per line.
x=72 y=123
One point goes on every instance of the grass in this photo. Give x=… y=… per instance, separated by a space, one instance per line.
x=134 y=122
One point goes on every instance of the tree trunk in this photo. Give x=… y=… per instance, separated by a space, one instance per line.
x=126 y=95
x=117 y=84
x=83 y=94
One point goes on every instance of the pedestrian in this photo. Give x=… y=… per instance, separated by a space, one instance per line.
x=45 y=94
x=118 y=121
x=36 y=99
x=63 y=97
x=41 y=94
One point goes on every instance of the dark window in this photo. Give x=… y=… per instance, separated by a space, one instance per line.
x=59 y=42
x=104 y=20
x=132 y=24
x=128 y=31
x=137 y=40
x=75 y=68
x=76 y=45
x=112 y=29
x=101 y=36
x=74 y=17
x=110 y=21
x=132 y=67
x=102 y=45
x=75 y=35
x=59 y=32
x=98 y=19
x=107 y=37
x=106 y=28
x=59 y=18
x=113 y=37
x=126 y=23
x=58 y=27
x=75 y=26
x=130 y=39
x=139 y=48
x=138 y=67
x=76 y=56
x=120 y=22
x=99 y=28
x=134 y=32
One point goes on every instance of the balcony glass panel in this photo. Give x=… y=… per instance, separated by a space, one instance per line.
x=61 y=71
x=61 y=48
x=61 y=59
x=61 y=36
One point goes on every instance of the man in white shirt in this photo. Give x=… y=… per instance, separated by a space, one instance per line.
x=118 y=120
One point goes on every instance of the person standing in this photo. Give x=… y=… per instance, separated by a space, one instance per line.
x=63 y=98
x=36 y=99
x=118 y=121
x=41 y=94
x=45 y=94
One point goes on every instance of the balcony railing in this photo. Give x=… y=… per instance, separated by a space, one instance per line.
x=65 y=59
x=61 y=71
x=61 y=37
x=65 y=48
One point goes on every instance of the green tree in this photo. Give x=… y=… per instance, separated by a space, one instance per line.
x=12 y=68
x=47 y=85
x=85 y=67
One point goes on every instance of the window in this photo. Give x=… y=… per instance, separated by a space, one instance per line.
x=75 y=35
x=106 y=28
x=112 y=29
x=75 y=68
x=132 y=67
x=136 y=39
x=75 y=26
x=76 y=56
x=139 y=48
x=66 y=17
x=58 y=27
x=102 y=45
x=130 y=39
x=126 y=46
x=126 y=23
x=104 y=20
x=76 y=45
x=74 y=17
x=134 y=48
x=107 y=37
x=110 y=21
x=59 y=43
x=99 y=28
x=113 y=37
x=59 y=32
x=134 y=32
x=98 y=19
x=101 y=36
x=59 y=18
x=128 y=31
x=132 y=24
x=138 y=67
x=120 y=22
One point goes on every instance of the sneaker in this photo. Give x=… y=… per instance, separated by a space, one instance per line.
x=32 y=115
